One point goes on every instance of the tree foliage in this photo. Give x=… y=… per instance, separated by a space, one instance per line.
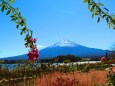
x=98 y=9
x=16 y=16
x=64 y=58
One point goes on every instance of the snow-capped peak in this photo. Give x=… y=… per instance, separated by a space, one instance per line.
x=65 y=43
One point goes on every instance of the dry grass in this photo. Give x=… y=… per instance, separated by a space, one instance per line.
x=92 y=78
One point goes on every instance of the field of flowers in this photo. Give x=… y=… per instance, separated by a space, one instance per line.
x=48 y=74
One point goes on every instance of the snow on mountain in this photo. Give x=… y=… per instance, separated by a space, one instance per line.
x=65 y=43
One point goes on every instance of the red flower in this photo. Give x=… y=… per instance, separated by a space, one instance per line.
x=26 y=46
x=30 y=40
x=34 y=47
x=33 y=54
x=35 y=39
x=103 y=58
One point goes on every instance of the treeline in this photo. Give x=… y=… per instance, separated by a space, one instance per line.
x=58 y=59
x=63 y=58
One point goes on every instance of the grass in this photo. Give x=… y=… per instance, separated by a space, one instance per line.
x=34 y=74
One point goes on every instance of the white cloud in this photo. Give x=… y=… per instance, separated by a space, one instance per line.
x=40 y=46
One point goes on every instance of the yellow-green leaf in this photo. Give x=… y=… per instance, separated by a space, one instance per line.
x=12 y=1
x=92 y=15
x=85 y=1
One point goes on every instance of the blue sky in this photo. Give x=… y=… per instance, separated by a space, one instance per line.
x=52 y=21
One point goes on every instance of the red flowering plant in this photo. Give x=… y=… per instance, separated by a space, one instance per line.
x=103 y=58
x=33 y=52
x=65 y=82
x=16 y=16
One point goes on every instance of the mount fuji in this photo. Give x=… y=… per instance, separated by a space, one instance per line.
x=66 y=47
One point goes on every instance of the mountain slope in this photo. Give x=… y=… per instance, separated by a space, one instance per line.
x=19 y=57
x=67 y=47
x=63 y=47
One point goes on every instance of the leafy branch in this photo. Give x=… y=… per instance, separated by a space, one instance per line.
x=16 y=16
x=102 y=13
